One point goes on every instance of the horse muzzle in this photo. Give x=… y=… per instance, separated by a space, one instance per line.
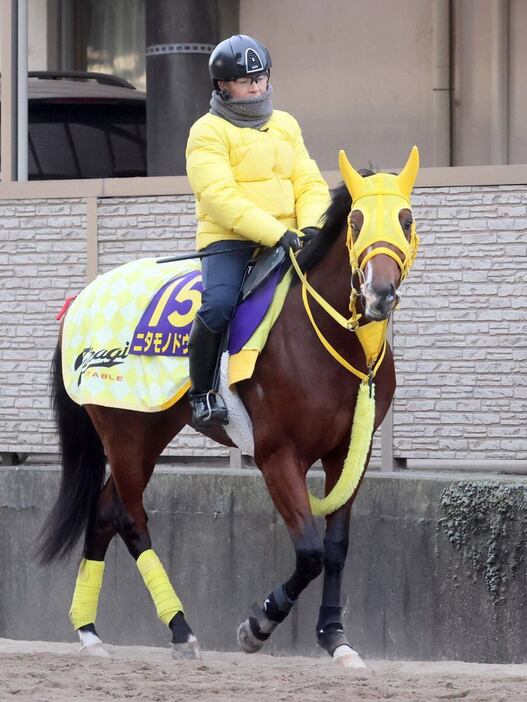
x=378 y=301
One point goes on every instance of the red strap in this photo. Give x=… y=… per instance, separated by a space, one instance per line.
x=65 y=307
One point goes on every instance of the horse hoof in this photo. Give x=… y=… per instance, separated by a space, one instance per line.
x=346 y=657
x=189 y=650
x=95 y=649
x=247 y=640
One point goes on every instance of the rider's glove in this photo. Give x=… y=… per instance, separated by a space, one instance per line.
x=290 y=240
x=309 y=233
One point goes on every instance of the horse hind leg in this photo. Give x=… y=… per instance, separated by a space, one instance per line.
x=108 y=520
x=103 y=524
x=161 y=429
x=100 y=531
x=132 y=457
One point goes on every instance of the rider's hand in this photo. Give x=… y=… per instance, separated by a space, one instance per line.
x=309 y=233
x=290 y=240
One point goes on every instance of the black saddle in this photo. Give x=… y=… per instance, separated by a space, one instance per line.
x=261 y=269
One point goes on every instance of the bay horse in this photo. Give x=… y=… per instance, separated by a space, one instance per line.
x=365 y=247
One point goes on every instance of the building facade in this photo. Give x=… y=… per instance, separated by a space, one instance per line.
x=372 y=77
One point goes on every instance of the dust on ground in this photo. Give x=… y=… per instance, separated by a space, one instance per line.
x=37 y=670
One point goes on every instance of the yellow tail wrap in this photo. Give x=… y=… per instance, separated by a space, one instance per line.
x=156 y=580
x=86 y=596
x=355 y=463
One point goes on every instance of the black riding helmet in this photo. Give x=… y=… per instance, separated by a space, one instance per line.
x=236 y=57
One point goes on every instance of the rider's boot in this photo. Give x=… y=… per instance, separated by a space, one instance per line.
x=208 y=408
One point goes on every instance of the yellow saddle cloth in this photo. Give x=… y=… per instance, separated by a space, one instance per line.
x=125 y=336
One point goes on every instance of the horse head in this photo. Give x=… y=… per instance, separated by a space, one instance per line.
x=381 y=239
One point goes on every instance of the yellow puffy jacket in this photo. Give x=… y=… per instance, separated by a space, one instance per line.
x=252 y=184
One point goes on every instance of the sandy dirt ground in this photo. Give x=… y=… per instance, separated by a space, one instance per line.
x=36 y=670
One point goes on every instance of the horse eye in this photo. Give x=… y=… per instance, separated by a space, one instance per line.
x=408 y=223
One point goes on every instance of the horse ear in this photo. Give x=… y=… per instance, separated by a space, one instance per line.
x=354 y=181
x=407 y=176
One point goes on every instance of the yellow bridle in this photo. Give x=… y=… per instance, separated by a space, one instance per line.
x=380 y=211
x=380 y=198
x=381 y=195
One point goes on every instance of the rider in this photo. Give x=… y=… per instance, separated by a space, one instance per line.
x=254 y=182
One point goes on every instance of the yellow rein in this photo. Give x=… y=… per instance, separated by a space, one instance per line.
x=350 y=324
x=336 y=355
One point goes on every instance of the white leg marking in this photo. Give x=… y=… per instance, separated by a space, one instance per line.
x=189 y=650
x=348 y=658
x=91 y=645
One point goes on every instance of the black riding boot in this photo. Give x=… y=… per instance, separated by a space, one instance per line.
x=208 y=408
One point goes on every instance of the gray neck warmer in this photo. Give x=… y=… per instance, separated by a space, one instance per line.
x=243 y=112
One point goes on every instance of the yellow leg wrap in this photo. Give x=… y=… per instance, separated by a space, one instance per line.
x=355 y=463
x=156 y=580
x=86 y=596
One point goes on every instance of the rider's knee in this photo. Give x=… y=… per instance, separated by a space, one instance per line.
x=218 y=305
x=217 y=317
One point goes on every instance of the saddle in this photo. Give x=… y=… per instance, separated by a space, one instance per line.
x=256 y=296
x=261 y=269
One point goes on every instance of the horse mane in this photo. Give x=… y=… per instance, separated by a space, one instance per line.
x=333 y=221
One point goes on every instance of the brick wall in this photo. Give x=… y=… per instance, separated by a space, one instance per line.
x=42 y=261
x=461 y=332
x=460 y=335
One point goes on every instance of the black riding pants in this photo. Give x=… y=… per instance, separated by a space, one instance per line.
x=222 y=276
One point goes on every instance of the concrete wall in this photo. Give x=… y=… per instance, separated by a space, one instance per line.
x=475 y=78
x=460 y=334
x=436 y=568
x=353 y=80
x=359 y=74
x=517 y=84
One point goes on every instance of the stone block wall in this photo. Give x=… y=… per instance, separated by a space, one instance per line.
x=42 y=261
x=460 y=335
x=461 y=332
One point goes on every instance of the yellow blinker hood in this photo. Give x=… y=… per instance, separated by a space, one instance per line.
x=380 y=198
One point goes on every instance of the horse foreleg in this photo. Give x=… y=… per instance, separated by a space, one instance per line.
x=330 y=630
x=285 y=479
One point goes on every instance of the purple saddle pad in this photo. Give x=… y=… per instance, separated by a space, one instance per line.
x=251 y=312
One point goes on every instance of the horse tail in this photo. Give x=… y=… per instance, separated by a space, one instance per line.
x=83 y=468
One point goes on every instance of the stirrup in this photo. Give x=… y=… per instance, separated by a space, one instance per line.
x=208 y=409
